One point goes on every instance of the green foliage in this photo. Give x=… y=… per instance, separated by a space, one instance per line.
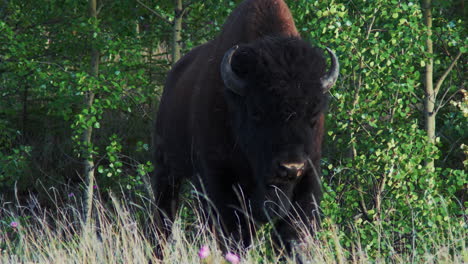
x=114 y=169
x=375 y=180
x=14 y=167
x=45 y=75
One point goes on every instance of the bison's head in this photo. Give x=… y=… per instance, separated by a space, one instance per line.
x=275 y=89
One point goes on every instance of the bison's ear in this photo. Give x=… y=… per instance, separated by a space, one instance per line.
x=231 y=80
x=332 y=75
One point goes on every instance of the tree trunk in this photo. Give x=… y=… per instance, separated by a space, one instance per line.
x=430 y=99
x=177 y=30
x=89 y=99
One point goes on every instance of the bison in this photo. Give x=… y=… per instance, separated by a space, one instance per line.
x=242 y=117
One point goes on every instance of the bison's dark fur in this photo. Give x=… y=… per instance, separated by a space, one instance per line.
x=252 y=130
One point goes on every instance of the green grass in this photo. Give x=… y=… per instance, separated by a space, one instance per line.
x=121 y=230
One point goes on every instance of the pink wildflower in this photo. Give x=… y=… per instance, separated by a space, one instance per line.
x=70 y=195
x=204 y=252
x=14 y=224
x=232 y=258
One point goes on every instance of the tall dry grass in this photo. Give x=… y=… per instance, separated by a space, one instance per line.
x=121 y=232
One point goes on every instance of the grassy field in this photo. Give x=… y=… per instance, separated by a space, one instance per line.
x=120 y=232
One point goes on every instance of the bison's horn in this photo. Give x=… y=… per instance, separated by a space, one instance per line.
x=329 y=80
x=231 y=80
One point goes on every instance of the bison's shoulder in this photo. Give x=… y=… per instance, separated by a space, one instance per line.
x=187 y=68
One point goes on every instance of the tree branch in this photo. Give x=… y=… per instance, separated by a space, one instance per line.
x=443 y=103
x=186 y=7
x=446 y=73
x=370 y=25
x=99 y=9
x=165 y=19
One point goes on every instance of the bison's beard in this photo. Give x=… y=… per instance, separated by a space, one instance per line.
x=275 y=203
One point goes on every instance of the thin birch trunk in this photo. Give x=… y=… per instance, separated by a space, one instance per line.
x=87 y=134
x=430 y=111
x=177 y=31
x=430 y=99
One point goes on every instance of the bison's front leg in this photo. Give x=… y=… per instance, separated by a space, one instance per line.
x=304 y=216
x=166 y=185
x=222 y=209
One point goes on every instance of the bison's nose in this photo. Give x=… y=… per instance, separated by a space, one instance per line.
x=291 y=170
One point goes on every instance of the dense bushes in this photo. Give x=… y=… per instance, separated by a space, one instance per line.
x=375 y=179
